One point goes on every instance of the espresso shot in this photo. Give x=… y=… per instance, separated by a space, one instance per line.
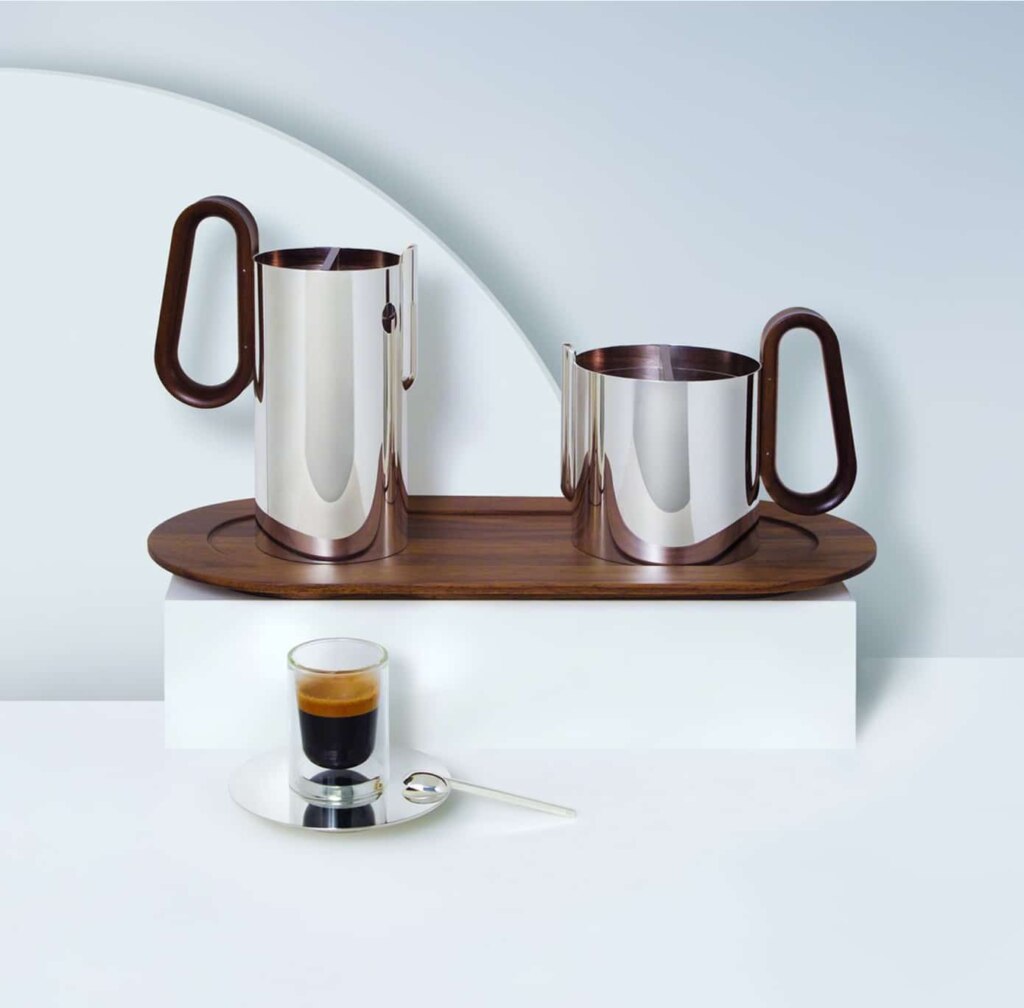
x=338 y=718
x=339 y=750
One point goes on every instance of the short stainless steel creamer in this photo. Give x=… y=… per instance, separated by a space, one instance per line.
x=659 y=455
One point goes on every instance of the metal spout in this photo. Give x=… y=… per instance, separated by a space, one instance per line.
x=568 y=459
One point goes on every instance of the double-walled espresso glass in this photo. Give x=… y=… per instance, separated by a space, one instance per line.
x=339 y=754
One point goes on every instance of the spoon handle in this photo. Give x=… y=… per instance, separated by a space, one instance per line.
x=512 y=799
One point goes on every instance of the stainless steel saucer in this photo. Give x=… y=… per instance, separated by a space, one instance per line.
x=260 y=786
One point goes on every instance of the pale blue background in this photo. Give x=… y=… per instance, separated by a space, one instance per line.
x=677 y=173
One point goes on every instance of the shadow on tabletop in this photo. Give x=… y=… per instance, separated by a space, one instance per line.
x=876 y=679
x=894 y=600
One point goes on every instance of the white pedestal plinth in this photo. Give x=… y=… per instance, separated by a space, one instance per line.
x=768 y=673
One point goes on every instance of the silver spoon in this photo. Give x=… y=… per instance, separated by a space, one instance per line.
x=423 y=788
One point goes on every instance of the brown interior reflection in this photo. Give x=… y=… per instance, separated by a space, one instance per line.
x=658 y=362
x=326 y=258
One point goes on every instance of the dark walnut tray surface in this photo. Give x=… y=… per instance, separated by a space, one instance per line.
x=506 y=548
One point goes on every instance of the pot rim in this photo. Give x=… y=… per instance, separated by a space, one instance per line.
x=662 y=362
x=328 y=259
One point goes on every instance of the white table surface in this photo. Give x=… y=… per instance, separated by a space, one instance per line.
x=889 y=875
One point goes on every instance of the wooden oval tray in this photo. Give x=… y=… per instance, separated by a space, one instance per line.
x=506 y=548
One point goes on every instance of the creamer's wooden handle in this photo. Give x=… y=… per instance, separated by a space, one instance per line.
x=841 y=484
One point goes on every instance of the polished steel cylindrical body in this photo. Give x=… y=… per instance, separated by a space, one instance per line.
x=658 y=451
x=334 y=327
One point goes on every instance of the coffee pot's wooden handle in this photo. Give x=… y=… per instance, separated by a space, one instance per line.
x=172 y=307
x=841 y=484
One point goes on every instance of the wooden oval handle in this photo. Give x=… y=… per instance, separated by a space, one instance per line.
x=837 y=490
x=172 y=307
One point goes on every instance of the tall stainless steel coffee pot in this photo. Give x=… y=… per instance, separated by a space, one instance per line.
x=659 y=455
x=322 y=335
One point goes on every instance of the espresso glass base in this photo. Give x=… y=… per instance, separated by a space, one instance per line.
x=338 y=788
x=262 y=787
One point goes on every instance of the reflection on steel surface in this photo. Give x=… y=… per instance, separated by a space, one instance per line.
x=656 y=451
x=334 y=327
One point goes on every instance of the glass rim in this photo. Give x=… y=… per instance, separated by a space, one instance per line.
x=297 y=666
